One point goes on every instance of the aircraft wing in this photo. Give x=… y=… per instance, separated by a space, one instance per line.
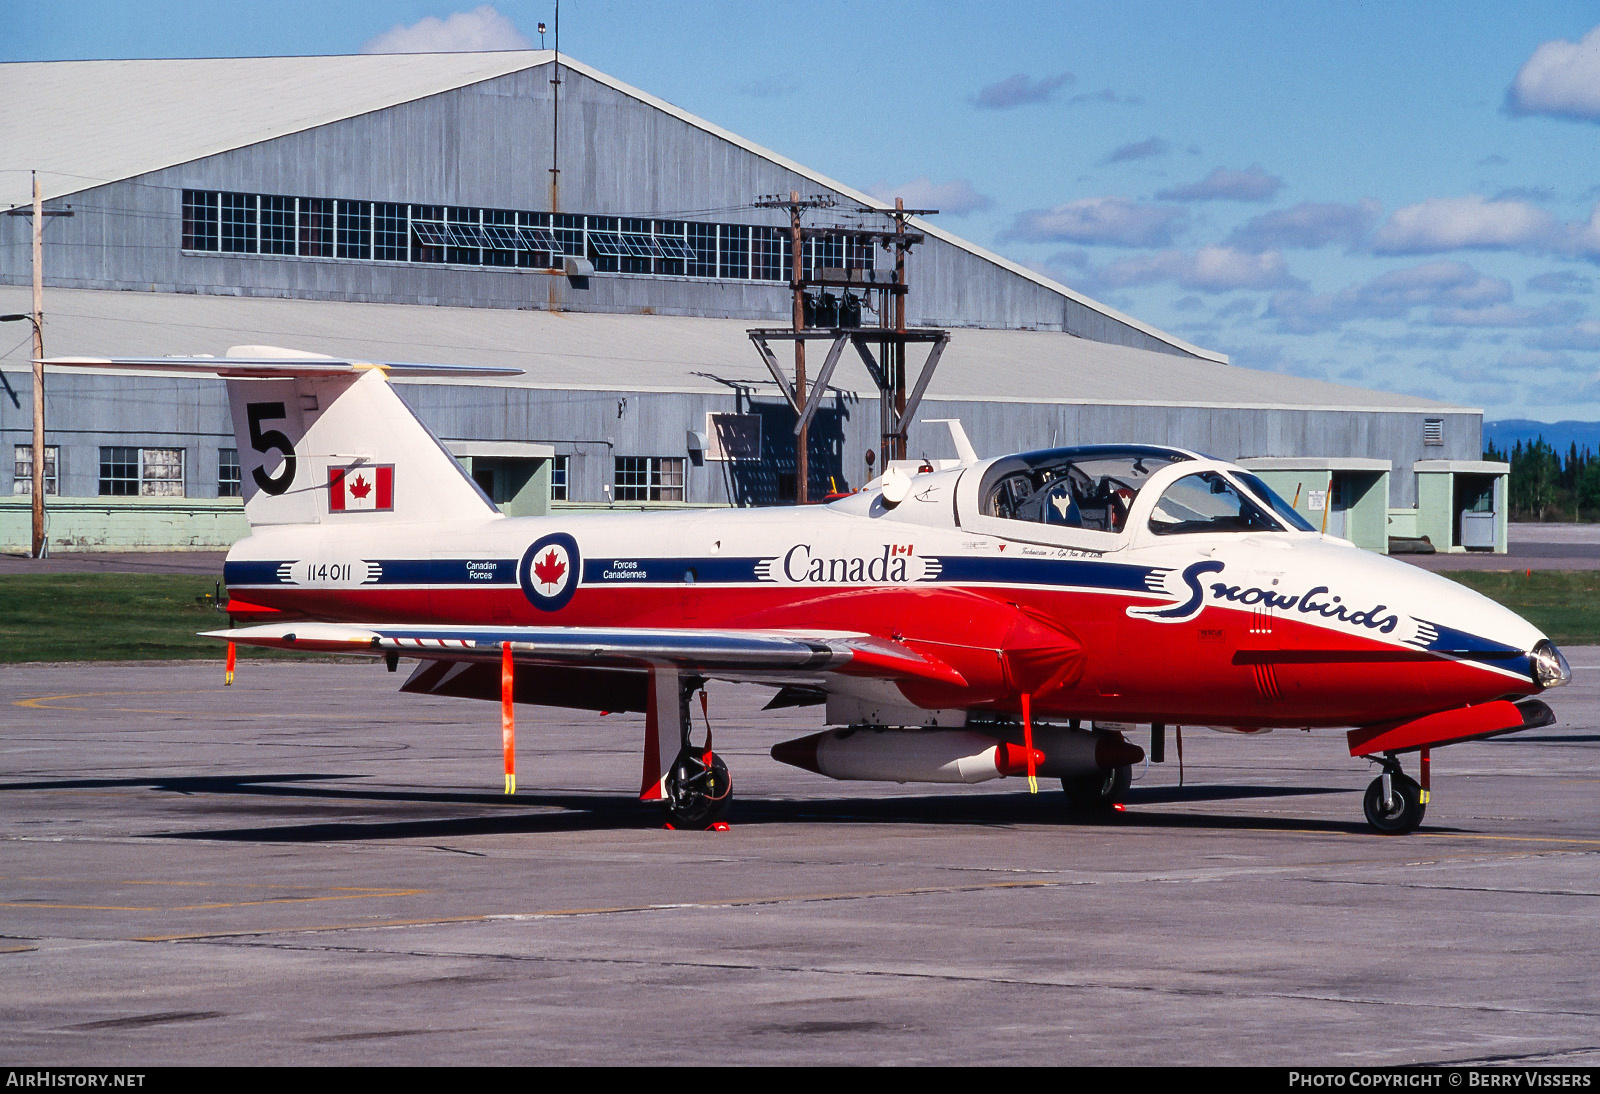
x=776 y=653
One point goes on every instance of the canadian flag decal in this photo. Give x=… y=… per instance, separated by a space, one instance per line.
x=368 y=488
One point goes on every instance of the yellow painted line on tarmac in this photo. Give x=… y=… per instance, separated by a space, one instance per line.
x=18 y=949
x=42 y=702
x=312 y=929
x=1513 y=839
x=48 y=702
x=301 y=899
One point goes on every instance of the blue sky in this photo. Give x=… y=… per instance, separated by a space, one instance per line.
x=1396 y=195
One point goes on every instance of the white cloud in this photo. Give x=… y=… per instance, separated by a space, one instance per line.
x=1309 y=225
x=1111 y=221
x=1020 y=90
x=1223 y=184
x=1392 y=295
x=1139 y=150
x=1584 y=334
x=1538 y=359
x=1210 y=269
x=1561 y=78
x=1506 y=315
x=480 y=30
x=956 y=197
x=1561 y=281
x=1447 y=224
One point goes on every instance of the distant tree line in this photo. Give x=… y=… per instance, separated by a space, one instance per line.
x=1544 y=486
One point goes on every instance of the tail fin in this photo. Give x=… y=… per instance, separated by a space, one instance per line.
x=326 y=441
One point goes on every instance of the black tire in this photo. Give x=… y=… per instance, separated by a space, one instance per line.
x=1405 y=812
x=697 y=797
x=1101 y=790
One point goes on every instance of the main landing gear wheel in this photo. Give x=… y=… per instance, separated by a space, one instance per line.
x=698 y=794
x=1099 y=791
x=1404 y=808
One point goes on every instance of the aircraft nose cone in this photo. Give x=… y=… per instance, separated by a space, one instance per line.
x=1550 y=669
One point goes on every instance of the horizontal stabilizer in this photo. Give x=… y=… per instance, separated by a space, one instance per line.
x=270 y=362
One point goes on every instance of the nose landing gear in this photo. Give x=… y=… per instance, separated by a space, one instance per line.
x=1395 y=803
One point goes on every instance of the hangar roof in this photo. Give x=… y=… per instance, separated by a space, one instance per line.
x=599 y=351
x=94 y=122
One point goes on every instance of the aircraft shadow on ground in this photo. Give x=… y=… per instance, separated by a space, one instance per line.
x=554 y=811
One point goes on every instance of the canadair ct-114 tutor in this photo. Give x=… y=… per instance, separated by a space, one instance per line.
x=991 y=618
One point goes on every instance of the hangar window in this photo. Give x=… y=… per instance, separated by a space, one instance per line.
x=22 y=467
x=702 y=239
x=463 y=236
x=857 y=253
x=277 y=225
x=428 y=236
x=568 y=228
x=649 y=478
x=201 y=220
x=238 y=223
x=560 y=468
x=1090 y=487
x=771 y=260
x=605 y=244
x=316 y=227
x=541 y=247
x=354 y=229
x=639 y=247
x=142 y=472
x=823 y=253
x=734 y=253
x=228 y=473
x=1207 y=502
x=466 y=238
x=503 y=245
x=390 y=236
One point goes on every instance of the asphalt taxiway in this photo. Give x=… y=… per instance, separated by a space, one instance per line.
x=309 y=867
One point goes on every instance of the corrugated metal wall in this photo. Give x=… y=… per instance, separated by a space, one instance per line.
x=86 y=411
x=488 y=146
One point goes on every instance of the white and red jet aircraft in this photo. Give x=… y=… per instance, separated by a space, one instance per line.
x=982 y=620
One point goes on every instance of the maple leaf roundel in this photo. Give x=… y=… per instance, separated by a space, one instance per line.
x=550 y=570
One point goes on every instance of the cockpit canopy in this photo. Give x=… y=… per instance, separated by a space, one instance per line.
x=1092 y=489
x=1089 y=487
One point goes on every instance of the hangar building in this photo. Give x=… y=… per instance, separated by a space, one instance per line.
x=516 y=208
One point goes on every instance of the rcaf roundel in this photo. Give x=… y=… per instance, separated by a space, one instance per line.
x=365 y=489
x=549 y=571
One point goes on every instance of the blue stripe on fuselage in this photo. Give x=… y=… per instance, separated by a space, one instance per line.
x=1070 y=572
x=954 y=570
x=1472 y=647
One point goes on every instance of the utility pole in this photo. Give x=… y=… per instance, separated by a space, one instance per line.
x=555 y=116
x=796 y=208
x=37 y=317
x=899 y=348
x=38 y=370
x=802 y=461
